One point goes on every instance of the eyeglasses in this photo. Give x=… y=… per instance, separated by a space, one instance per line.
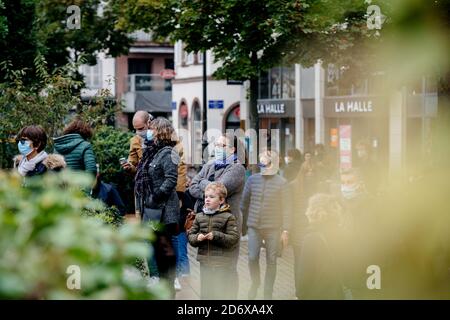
x=221 y=145
x=23 y=140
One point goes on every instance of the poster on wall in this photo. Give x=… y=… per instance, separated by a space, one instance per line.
x=345 y=146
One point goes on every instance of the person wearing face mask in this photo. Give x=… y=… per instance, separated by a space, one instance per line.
x=228 y=168
x=33 y=160
x=293 y=162
x=155 y=189
x=362 y=224
x=263 y=217
x=141 y=121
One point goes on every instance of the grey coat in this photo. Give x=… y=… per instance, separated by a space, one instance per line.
x=262 y=202
x=163 y=171
x=231 y=176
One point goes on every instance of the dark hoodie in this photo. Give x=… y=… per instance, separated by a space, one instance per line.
x=77 y=152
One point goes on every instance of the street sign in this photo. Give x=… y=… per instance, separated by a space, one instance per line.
x=215 y=104
x=167 y=74
x=235 y=82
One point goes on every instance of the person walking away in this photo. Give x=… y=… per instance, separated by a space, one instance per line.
x=215 y=234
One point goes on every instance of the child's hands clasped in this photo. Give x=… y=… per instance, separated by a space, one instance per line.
x=208 y=236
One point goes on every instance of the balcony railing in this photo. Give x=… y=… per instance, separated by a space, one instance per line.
x=147 y=82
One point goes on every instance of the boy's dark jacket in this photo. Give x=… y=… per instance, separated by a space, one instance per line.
x=219 y=251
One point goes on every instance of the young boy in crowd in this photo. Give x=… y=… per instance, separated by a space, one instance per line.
x=215 y=233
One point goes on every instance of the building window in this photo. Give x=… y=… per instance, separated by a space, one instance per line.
x=288 y=83
x=277 y=83
x=93 y=75
x=263 y=86
x=200 y=57
x=233 y=119
x=188 y=57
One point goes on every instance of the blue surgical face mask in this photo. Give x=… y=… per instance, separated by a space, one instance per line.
x=220 y=154
x=142 y=133
x=24 y=148
x=262 y=165
x=149 y=135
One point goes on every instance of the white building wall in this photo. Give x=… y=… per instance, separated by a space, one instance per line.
x=107 y=77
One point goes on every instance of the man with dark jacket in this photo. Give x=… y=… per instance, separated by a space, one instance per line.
x=263 y=215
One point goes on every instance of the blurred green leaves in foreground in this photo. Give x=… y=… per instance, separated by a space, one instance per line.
x=43 y=232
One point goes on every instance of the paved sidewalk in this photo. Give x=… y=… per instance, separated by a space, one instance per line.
x=284 y=284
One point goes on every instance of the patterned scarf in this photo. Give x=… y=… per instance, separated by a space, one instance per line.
x=223 y=164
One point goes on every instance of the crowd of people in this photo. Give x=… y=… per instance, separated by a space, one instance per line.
x=295 y=205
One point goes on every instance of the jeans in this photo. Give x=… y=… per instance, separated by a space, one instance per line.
x=271 y=239
x=180 y=244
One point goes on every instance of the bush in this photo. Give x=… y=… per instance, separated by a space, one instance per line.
x=42 y=234
x=109 y=146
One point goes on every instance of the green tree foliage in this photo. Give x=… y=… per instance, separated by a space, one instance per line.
x=49 y=102
x=42 y=233
x=109 y=146
x=245 y=35
x=3 y=22
x=45 y=103
x=39 y=27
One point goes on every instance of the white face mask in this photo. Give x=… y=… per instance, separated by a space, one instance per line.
x=349 y=191
x=287 y=160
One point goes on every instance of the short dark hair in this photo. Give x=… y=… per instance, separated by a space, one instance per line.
x=36 y=134
x=79 y=126
x=295 y=154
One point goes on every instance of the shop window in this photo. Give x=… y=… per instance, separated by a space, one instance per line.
x=183 y=114
x=263 y=85
x=288 y=83
x=233 y=119
x=275 y=83
x=93 y=75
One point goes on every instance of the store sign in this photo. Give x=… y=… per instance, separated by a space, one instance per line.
x=353 y=106
x=271 y=108
x=348 y=106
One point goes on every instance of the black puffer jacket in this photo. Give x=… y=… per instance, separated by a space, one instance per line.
x=222 y=224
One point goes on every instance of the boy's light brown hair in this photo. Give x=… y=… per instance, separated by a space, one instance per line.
x=219 y=188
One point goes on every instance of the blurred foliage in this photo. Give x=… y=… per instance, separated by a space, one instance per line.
x=110 y=216
x=109 y=146
x=42 y=233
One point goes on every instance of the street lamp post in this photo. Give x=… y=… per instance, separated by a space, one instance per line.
x=205 y=109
